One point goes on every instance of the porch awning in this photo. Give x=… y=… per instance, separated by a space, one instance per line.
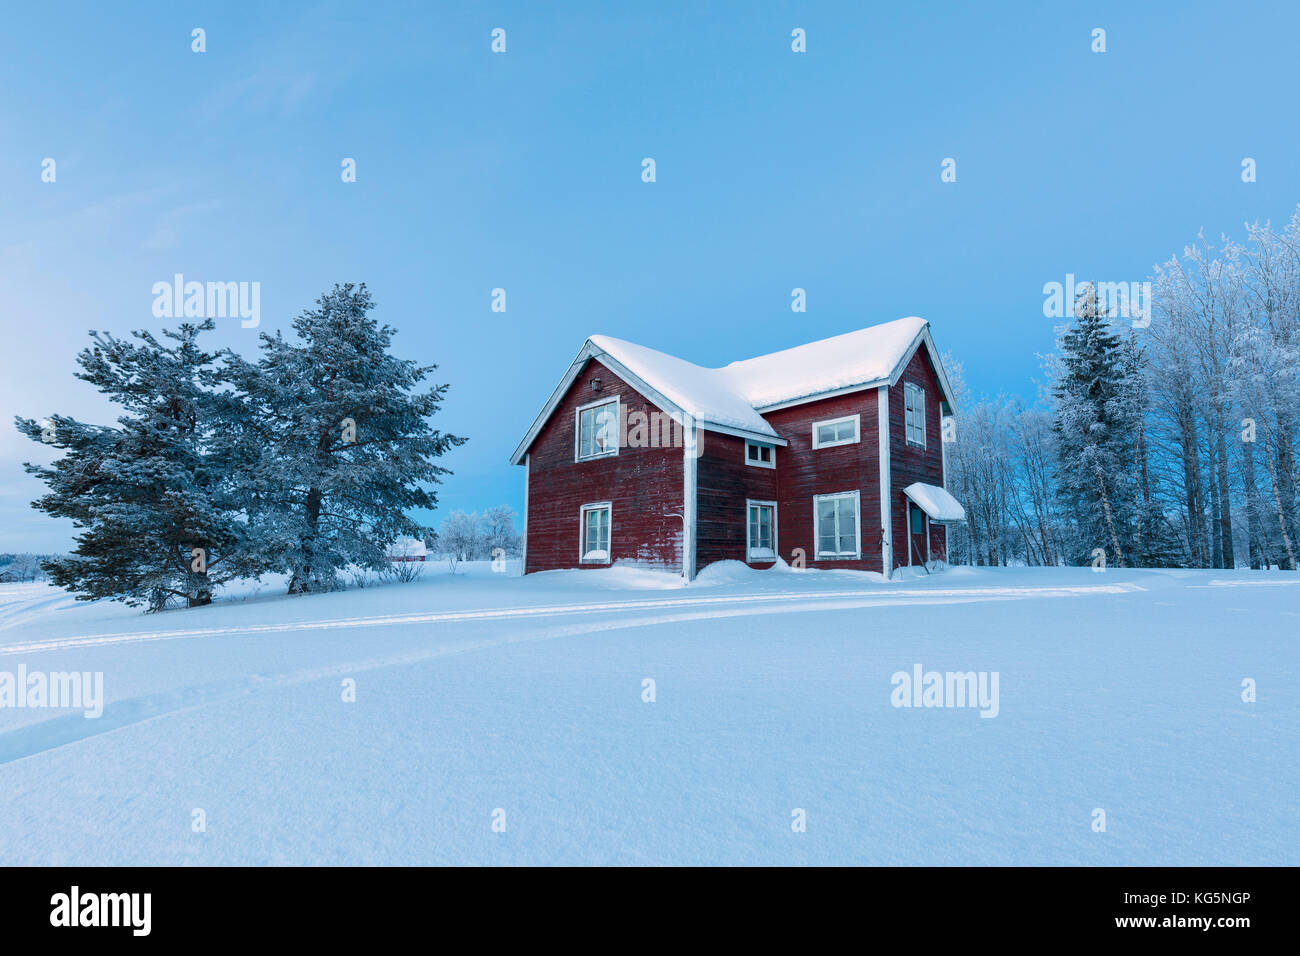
x=936 y=502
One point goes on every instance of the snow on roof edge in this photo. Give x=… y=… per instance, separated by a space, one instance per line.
x=935 y=501
x=695 y=390
x=728 y=398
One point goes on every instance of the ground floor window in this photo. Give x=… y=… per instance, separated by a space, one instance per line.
x=761 y=537
x=595 y=532
x=836 y=525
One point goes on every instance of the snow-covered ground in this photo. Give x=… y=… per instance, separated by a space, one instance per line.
x=483 y=697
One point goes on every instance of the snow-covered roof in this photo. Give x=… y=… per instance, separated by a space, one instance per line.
x=730 y=398
x=936 y=502
x=842 y=361
x=405 y=548
x=701 y=393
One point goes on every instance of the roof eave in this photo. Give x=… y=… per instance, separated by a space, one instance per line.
x=576 y=366
x=591 y=351
x=818 y=396
x=922 y=337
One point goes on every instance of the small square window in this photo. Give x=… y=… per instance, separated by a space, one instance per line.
x=760 y=455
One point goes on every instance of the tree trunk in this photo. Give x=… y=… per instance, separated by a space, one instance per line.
x=1216 y=505
x=1286 y=481
x=1281 y=508
x=1225 y=504
x=304 y=576
x=1192 y=490
x=1253 y=529
x=1110 y=521
x=1142 y=499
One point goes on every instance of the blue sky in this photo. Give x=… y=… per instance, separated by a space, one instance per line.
x=522 y=170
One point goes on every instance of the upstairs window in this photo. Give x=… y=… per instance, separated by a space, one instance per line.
x=597 y=430
x=760 y=455
x=835 y=431
x=914 y=413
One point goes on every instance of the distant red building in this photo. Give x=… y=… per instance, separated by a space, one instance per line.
x=640 y=457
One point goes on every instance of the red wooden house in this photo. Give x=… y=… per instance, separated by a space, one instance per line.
x=644 y=458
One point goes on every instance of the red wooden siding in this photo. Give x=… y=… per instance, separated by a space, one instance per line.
x=642 y=484
x=909 y=463
x=724 y=482
x=803 y=472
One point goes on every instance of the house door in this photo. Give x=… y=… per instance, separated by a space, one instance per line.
x=918 y=535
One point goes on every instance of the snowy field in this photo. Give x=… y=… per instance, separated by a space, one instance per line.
x=481 y=692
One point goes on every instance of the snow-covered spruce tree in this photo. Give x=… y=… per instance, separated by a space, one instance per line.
x=156 y=508
x=338 y=449
x=1096 y=438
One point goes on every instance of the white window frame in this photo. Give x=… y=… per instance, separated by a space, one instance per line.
x=617 y=402
x=760 y=464
x=582 y=533
x=752 y=553
x=911 y=391
x=817 y=531
x=857 y=431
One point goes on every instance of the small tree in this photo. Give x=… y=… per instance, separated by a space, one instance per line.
x=499 y=531
x=459 y=537
x=403 y=572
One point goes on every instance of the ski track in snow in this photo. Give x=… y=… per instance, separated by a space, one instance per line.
x=38 y=738
x=805 y=599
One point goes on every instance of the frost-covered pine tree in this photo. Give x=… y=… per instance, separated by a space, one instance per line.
x=1094 y=426
x=338 y=449
x=156 y=507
